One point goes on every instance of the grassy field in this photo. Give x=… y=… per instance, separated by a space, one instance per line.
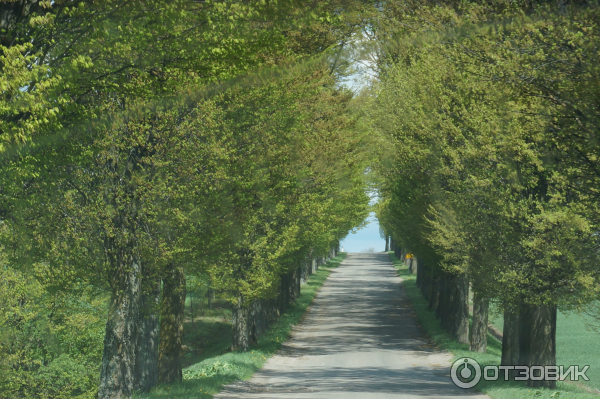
x=500 y=389
x=576 y=344
x=212 y=365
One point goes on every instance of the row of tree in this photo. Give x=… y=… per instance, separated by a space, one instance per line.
x=135 y=152
x=489 y=168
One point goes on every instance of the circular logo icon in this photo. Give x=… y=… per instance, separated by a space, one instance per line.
x=465 y=372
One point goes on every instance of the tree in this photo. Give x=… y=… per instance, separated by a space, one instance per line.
x=499 y=204
x=106 y=203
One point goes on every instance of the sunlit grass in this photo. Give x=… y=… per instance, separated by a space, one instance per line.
x=430 y=325
x=211 y=374
x=576 y=344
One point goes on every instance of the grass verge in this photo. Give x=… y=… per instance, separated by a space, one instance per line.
x=430 y=325
x=206 y=378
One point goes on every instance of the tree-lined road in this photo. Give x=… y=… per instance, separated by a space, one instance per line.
x=359 y=339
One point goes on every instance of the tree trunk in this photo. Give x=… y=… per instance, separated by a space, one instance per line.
x=272 y=312
x=387 y=243
x=481 y=307
x=543 y=341
x=192 y=308
x=421 y=271
x=210 y=295
x=171 y=325
x=510 y=340
x=304 y=272
x=292 y=280
x=283 y=293
x=239 y=324
x=258 y=322
x=427 y=282
x=455 y=318
x=412 y=268
x=294 y=286
x=298 y=281
x=146 y=358
x=117 y=375
x=253 y=323
x=443 y=297
x=434 y=296
x=524 y=334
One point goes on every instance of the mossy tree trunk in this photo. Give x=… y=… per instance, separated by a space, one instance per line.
x=434 y=296
x=293 y=285
x=543 y=341
x=283 y=293
x=239 y=324
x=479 y=329
x=524 y=334
x=147 y=343
x=454 y=313
x=304 y=272
x=117 y=376
x=297 y=282
x=257 y=321
x=422 y=274
x=443 y=297
x=510 y=340
x=412 y=268
x=171 y=325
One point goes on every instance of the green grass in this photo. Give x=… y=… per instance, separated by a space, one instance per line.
x=430 y=325
x=576 y=344
x=209 y=335
x=215 y=369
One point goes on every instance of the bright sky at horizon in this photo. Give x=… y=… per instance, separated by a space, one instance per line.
x=365 y=238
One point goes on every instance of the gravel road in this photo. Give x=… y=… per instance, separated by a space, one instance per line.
x=359 y=339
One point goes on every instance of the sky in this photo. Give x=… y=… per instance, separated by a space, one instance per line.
x=365 y=238
x=368 y=236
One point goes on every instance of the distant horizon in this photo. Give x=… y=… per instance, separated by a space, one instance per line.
x=365 y=238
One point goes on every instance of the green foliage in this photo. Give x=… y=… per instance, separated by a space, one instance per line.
x=292 y=194
x=491 y=151
x=50 y=343
x=126 y=141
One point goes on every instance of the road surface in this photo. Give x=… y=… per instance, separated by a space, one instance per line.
x=358 y=340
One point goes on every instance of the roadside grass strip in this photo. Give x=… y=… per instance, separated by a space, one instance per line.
x=430 y=326
x=206 y=378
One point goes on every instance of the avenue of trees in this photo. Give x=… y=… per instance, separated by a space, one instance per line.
x=488 y=113
x=146 y=142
